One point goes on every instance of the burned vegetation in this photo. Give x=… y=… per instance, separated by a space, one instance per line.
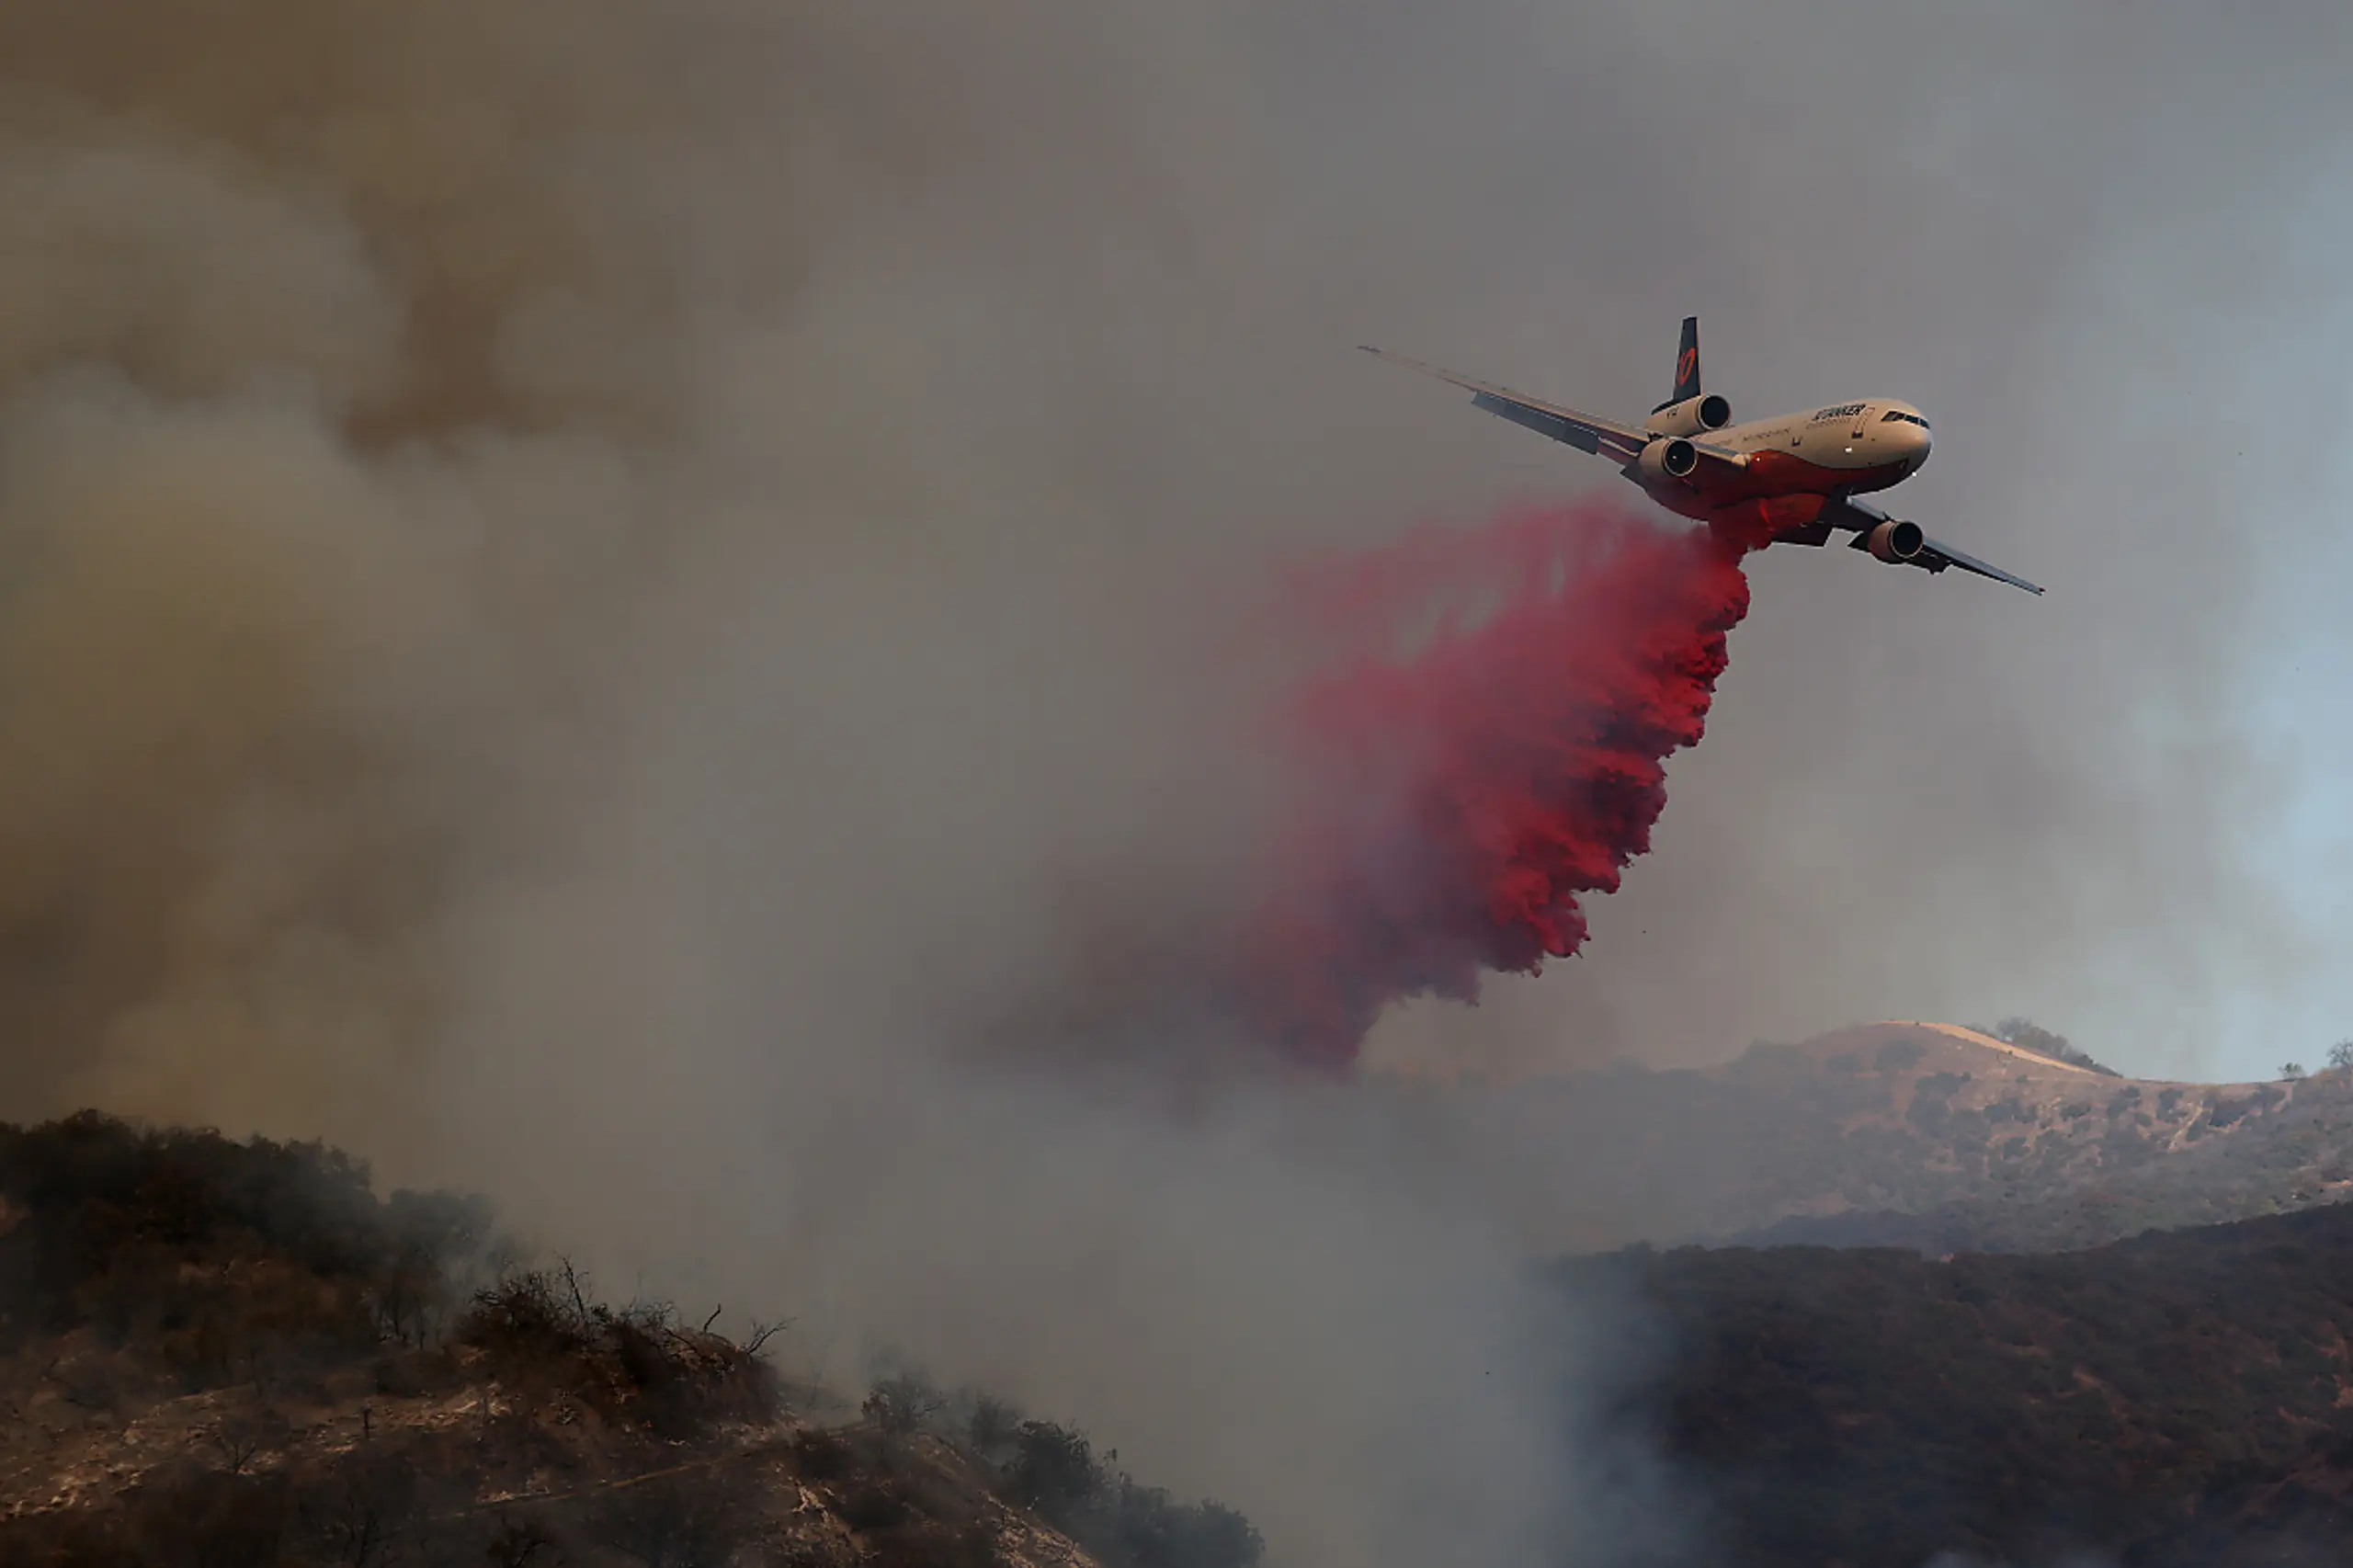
x=230 y=1353
x=2182 y=1400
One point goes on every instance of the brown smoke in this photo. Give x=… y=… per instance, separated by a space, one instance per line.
x=335 y=337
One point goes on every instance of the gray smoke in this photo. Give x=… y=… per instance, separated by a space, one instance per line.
x=604 y=607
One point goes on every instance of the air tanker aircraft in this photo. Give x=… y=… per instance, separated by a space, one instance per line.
x=1791 y=480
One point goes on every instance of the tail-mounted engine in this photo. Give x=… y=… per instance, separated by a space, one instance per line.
x=1896 y=542
x=1692 y=416
x=1669 y=457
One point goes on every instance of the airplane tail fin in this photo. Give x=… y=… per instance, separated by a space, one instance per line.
x=1687 y=362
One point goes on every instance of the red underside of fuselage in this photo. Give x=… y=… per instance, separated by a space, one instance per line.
x=1773 y=494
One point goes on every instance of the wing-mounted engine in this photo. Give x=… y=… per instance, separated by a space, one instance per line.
x=1669 y=457
x=1895 y=541
x=1692 y=416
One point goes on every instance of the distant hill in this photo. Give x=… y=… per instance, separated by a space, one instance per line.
x=1920 y=1135
x=2177 y=1400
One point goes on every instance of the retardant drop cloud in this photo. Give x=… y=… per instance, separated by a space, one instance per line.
x=1452 y=804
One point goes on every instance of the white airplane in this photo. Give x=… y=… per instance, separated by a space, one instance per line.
x=1790 y=480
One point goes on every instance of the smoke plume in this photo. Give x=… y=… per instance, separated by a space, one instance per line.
x=593 y=597
x=1455 y=804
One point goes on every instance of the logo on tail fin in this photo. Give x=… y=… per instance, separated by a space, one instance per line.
x=1687 y=363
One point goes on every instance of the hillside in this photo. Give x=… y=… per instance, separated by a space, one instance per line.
x=2179 y=1401
x=1918 y=1136
x=236 y=1354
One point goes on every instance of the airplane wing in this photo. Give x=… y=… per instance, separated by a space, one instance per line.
x=1584 y=431
x=1934 y=556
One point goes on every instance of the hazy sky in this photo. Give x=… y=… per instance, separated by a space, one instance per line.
x=2102 y=258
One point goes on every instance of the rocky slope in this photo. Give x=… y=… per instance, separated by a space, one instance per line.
x=1922 y=1135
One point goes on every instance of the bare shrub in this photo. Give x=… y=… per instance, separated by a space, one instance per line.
x=633 y=1362
x=243 y=1435
x=900 y=1405
x=363 y=1508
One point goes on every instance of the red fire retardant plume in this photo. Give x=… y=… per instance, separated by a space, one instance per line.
x=1485 y=745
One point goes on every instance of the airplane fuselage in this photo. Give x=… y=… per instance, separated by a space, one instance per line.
x=1794 y=465
x=1797 y=479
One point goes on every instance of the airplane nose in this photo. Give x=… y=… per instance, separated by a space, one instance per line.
x=1918 y=443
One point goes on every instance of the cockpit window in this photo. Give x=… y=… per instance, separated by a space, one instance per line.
x=1894 y=414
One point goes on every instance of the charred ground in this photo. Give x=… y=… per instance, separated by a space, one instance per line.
x=2177 y=1400
x=218 y=1352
